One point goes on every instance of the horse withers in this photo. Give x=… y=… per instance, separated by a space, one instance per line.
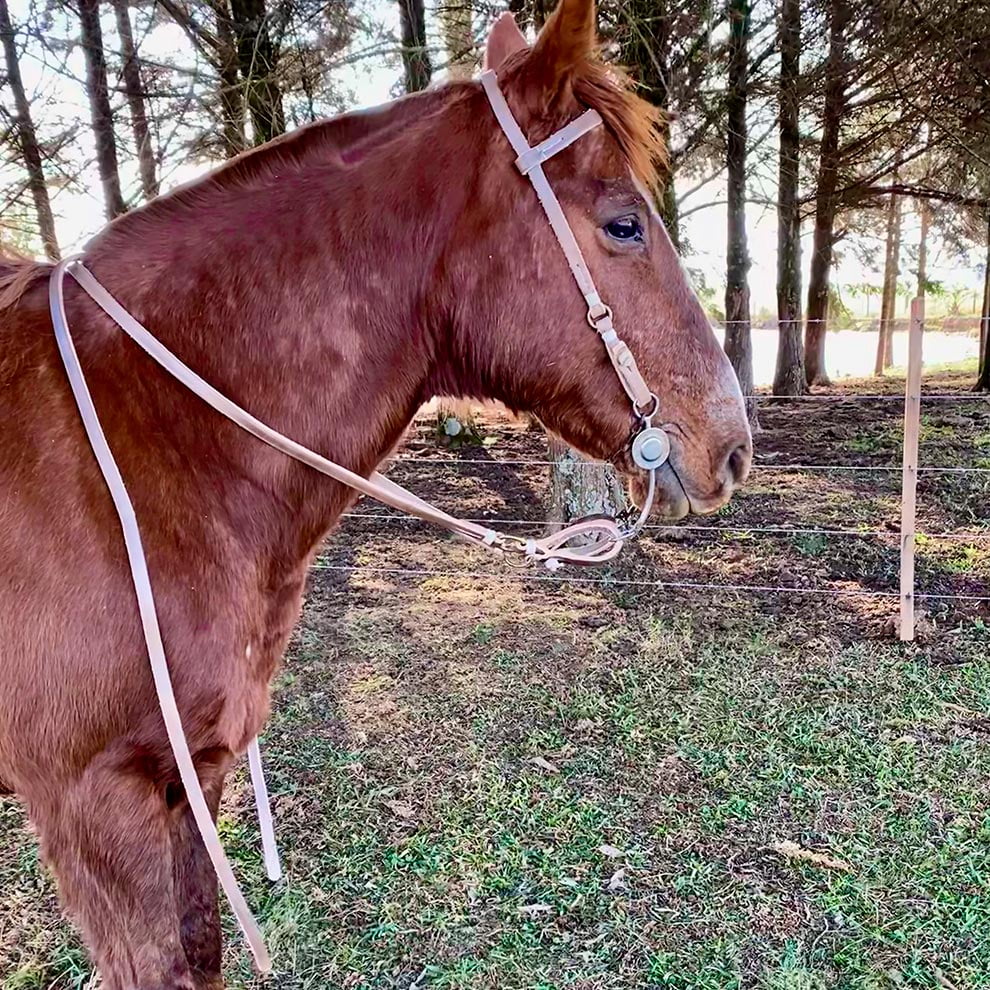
x=329 y=282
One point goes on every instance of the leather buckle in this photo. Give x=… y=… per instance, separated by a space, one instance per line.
x=598 y=314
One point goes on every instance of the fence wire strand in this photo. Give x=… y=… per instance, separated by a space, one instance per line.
x=932 y=321
x=681 y=527
x=871 y=397
x=536 y=462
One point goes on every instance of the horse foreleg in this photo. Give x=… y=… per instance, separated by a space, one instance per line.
x=106 y=835
x=196 y=892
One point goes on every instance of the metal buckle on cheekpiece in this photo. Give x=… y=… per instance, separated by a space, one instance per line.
x=650 y=448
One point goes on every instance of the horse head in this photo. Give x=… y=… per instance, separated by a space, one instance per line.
x=536 y=351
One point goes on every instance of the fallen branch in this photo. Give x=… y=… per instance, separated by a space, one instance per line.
x=791 y=850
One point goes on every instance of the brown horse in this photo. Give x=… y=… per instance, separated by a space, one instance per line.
x=330 y=282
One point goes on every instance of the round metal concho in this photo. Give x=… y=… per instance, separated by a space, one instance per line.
x=650 y=448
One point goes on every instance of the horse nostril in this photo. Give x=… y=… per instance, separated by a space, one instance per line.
x=738 y=462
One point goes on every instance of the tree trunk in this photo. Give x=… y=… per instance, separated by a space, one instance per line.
x=456 y=18
x=27 y=138
x=888 y=303
x=579 y=487
x=644 y=47
x=231 y=97
x=257 y=57
x=817 y=309
x=826 y=201
x=536 y=11
x=668 y=201
x=926 y=219
x=456 y=423
x=789 y=377
x=983 y=380
x=99 y=105
x=738 y=335
x=415 y=56
x=134 y=90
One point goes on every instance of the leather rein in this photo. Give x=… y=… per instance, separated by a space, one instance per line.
x=650 y=448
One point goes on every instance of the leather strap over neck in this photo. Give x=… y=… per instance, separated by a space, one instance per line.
x=604 y=536
x=550 y=550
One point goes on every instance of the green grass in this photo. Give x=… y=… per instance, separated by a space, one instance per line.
x=508 y=786
x=596 y=808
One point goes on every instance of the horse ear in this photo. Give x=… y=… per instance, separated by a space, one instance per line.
x=567 y=37
x=504 y=39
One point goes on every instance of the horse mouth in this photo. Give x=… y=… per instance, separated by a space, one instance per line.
x=670 y=502
x=673 y=499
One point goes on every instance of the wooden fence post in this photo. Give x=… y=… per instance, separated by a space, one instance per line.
x=909 y=476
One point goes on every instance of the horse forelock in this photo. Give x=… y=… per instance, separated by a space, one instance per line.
x=635 y=123
x=637 y=126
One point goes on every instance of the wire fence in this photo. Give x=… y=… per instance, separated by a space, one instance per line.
x=980 y=397
x=960 y=323
x=516 y=515
x=729 y=532
x=718 y=531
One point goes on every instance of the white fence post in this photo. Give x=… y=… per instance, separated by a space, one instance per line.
x=909 y=476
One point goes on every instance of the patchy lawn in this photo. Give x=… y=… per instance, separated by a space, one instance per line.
x=482 y=780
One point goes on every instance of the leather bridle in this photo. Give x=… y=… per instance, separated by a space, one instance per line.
x=649 y=449
x=649 y=445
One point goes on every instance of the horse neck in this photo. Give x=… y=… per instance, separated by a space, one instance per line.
x=301 y=288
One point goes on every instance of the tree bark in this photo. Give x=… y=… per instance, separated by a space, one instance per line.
x=888 y=303
x=231 y=96
x=826 y=203
x=456 y=17
x=99 y=105
x=644 y=46
x=134 y=90
x=257 y=58
x=27 y=138
x=983 y=379
x=738 y=334
x=579 y=487
x=789 y=374
x=415 y=56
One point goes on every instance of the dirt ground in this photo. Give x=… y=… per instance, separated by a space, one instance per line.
x=826 y=464
x=486 y=778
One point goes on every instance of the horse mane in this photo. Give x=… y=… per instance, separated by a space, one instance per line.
x=18 y=274
x=636 y=124
x=341 y=140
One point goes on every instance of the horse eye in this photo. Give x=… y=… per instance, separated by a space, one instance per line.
x=624 y=229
